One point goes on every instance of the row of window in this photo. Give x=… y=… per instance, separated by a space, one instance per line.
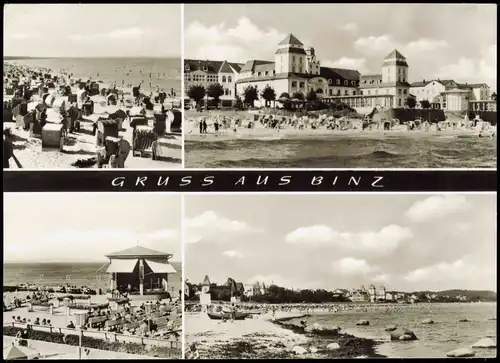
x=201 y=78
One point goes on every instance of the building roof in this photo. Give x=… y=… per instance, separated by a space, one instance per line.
x=212 y=66
x=250 y=65
x=395 y=54
x=139 y=251
x=291 y=39
x=424 y=82
x=206 y=281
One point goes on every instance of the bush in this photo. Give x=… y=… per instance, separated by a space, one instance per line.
x=93 y=343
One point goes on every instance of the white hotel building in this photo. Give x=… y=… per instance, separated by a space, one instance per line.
x=296 y=69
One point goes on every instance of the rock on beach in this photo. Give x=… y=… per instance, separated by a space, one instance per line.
x=461 y=353
x=403 y=334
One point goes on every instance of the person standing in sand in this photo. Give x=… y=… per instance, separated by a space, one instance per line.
x=8 y=149
x=205 y=126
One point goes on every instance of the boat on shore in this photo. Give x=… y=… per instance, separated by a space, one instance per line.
x=227 y=316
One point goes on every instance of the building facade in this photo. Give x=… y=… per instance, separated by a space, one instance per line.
x=391 y=87
x=207 y=72
x=139 y=270
x=297 y=70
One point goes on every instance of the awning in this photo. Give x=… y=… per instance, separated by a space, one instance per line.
x=122 y=266
x=161 y=268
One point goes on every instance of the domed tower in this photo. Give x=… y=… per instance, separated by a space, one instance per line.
x=312 y=64
x=290 y=56
x=373 y=293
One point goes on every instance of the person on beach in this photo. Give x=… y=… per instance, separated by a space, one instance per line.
x=205 y=126
x=8 y=149
x=193 y=352
x=201 y=126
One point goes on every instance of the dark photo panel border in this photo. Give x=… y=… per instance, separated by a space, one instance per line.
x=265 y=180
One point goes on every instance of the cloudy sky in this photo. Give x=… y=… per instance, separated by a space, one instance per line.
x=81 y=227
x=447 y=41
x=405 y=242
x=92 y=30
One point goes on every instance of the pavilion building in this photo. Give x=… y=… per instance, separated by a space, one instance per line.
x=139 y=270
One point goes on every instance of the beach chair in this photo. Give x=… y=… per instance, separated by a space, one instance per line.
x=143 y=138
x=53 y=135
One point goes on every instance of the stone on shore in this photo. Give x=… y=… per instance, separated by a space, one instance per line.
x=299 y=350
x=403 y=334
x=313 y=349
x=461 y=353
x=362 y=322
x=390 y=328
x=464 y=321
x=428 y=321
x=485 y=343
x=319 y=328
x=333 y=346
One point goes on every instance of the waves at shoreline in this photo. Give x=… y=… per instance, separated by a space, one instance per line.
x=348 y=151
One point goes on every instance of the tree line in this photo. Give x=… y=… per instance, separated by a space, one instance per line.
x=250 y=94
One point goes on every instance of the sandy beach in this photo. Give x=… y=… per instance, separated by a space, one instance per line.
x=83 y=137
x=263 y=337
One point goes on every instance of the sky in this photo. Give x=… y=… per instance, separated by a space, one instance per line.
x=92 y=30
x=441 y=41
x=84 y=227
x=405 y=242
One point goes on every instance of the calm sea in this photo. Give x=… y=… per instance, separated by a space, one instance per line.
x=80 y=274
x=435 y=340
x=165 y=72
x=348 y=152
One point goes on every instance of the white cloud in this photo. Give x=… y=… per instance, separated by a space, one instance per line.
x=459 y=272
x=347 y=63
x=350 y=27
x=382 y=278
x=380 y=44
x=133 y=33
x=381 y=242
x=233 y=254
x=437 y=206
x=352 y=267
x=209 y=225
x=240 y=43
x=425 y=45
x=461 y=227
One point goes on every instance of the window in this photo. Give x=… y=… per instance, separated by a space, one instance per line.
x=229 y=79
x=346 y=93
x=301 y=84
x=368 y=92
x=186 y=67
x=330 y=92
x=346 y=83
x=293 y=59
x=266 y=73
x=258 y=74
x=354 y=93
x=274 y=72
x=300 y=60
x=338 y=81
x=226 y=92
x=223 y=79
x=294 y=84
x=338 y=92
x=353 y=83
x=405 y=91
x=400 y=91
x=361 y=92
x=293 y=68
x=376 y=91
x=330 y=81
x=399 y=102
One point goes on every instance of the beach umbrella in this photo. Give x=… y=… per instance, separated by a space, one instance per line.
x=296 y=100
x=14 y=352
x=283 y=99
